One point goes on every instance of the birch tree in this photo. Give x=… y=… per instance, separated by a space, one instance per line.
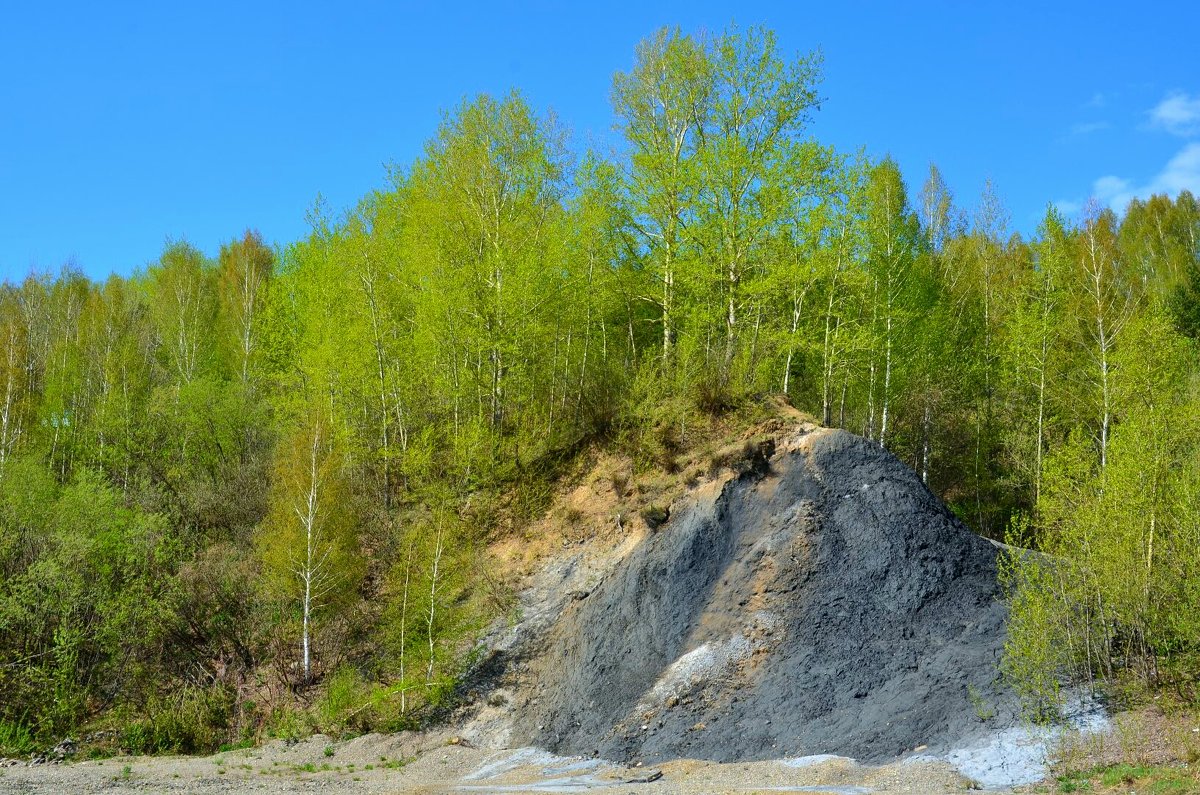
x=754 y=174
x=892 y=241
x=308 y=540
x=244 y=270
x=184 y=310
x=1036 y=337
x=12 y=373
x=661 y=107
x=497 y=170
x=1105 y=302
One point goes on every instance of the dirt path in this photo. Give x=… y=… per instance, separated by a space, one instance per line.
x=377 y=764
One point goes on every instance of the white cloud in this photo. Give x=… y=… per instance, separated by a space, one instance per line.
x=1098 y=100
x=1178 y=114
x=1110 y=187
x=1182 y=172
x=1087 y=128
x=1068 y=208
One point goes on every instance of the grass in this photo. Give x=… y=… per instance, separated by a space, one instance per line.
x=394 y=764
x=1125 y=778
x=242 y=744
x=15 y=739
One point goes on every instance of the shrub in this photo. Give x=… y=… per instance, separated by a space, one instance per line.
x=344 y=693
x=288 y=723
x=15 y=739
x=193 y=721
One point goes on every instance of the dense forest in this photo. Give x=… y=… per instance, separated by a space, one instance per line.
x=251 y=495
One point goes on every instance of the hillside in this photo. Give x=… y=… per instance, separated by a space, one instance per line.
x=809 y=596
x=823 y=603
x=521 y=430
x=804 y=597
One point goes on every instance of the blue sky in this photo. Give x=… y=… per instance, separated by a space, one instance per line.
x=123 y=125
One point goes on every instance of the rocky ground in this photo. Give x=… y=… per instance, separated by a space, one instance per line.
x=375 y=764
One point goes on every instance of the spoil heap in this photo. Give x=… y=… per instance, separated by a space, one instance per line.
x=824 y=602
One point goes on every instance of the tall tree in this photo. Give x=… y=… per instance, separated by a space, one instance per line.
x=893 y=240
x=308 y=540
x=753 y=168
x=1106 y=302
x=184 y=309
x=244 y=270
x=1035 y=340
x=662 y=105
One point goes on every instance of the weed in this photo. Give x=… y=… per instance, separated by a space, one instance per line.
x=620 y=482
x=396 y=764
x=15 y=739
x=1074 y=782
x=979 y=704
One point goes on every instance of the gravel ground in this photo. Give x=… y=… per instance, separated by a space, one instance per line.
x=281 y=769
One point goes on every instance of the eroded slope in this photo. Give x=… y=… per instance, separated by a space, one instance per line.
x=825 y=603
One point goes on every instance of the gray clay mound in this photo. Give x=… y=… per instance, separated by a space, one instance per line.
x=828 y=605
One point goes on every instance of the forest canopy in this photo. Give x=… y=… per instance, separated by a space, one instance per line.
x=251 y=494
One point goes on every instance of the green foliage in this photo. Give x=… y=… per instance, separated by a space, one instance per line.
x=15 y=739
x=345 y=693
x=191 y=720
x=288 y=722
x=1120 y=532
x=1035 y=654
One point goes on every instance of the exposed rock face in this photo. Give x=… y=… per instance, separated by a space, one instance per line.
x=829 y=604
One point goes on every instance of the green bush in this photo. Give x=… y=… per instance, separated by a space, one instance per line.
x=193 y=721
x=287 y=722
x=345 y=692
x=15 y=739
